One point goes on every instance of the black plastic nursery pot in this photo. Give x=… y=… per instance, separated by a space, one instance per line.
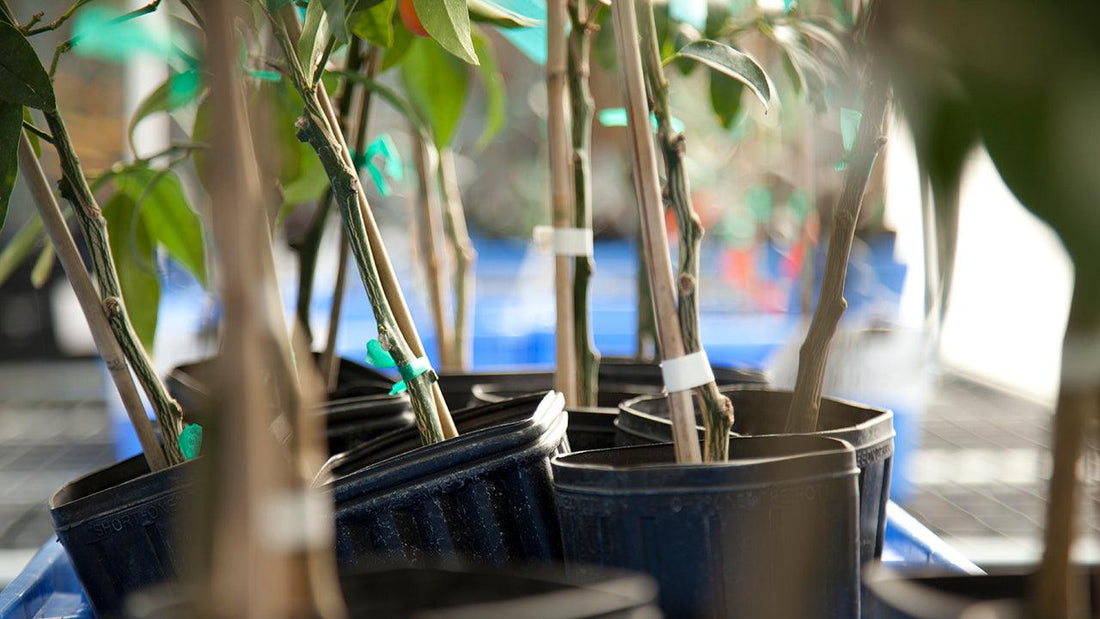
x=771 y=533
x=759 y=411
x=458 y=387
x=359 y=410
x=897 y=595
x=117 y=523
x=484 y=496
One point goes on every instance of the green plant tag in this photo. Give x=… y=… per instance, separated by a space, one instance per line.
x=190 y=441
x=392 y=166
x=616 y=117
x=849 y=127
x=379 y=357
x=410 y=372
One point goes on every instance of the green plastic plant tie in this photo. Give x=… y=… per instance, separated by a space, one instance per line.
x=184 y=88
x=392 y=165
x=616 y=117
x=787 y=6
x=849 y=127
x=264 y=76
x=798 y=202
x=410 y=371
x=99 y=34
x=759 y=201
x=379 y=357
x=190 y=441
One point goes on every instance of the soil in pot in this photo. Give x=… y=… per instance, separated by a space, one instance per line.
x=117 y=526
x=485 y=495
x=760 y=412
x=771 y=533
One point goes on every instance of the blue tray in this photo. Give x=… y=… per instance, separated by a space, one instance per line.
x=48 y=589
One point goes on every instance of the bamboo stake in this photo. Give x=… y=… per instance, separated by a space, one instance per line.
x=558 y=138
x=429 y=230
x=647 y=185
x=381 y=259
x=583 y=27
x=167 y=410
x=90 y=304
x=465 y=257
x=330 y=362
x=319 y=128
x=806 y=399
x=716 y=408
x=269 y=551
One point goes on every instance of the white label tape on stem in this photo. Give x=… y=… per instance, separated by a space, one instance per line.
x=687 y=372
x=564 y=241
x=296 y=520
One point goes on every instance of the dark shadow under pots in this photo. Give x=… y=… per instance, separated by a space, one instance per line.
x=760 y=412
x=485 y=495
x=771 y=533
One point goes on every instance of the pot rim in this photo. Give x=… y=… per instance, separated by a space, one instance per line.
x=903 y=591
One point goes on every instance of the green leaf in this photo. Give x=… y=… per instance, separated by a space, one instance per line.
x=486 y=12
x=448 y=21
x=436 y=84
x=336 y=18
x=166 y=215
x=314 y=39
x=725 y=98
x=20 y=246
x=376 y=23
x=23 y=79
x=402 y=41
x=176 y=92
x=496 y=96
x=132 y=248
x=732 y=63
x=11 y=127
x=43 y=266
x=393 y=99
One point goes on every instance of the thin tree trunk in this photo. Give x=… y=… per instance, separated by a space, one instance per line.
x=167 y=410
x=716 y=408
x=583 y=27
x=806 y=400
x=465 y=258
x=429 y=226
x=330 y=362
x=644 y=161
x=90 y=303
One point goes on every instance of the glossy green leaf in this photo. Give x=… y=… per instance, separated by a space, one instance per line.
x=496 y=96
x=725 y=98
x=375 y=24
x=166 y=216
x=314 y=39
x=135 y=261
x=486 y=12
x=23 y=79
x=402 y=41
x=11 y=127
x=448 y=22
x=335 y=17
x=395 y=101
x=732 y=63
x=437 y=84
x=176 y=92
